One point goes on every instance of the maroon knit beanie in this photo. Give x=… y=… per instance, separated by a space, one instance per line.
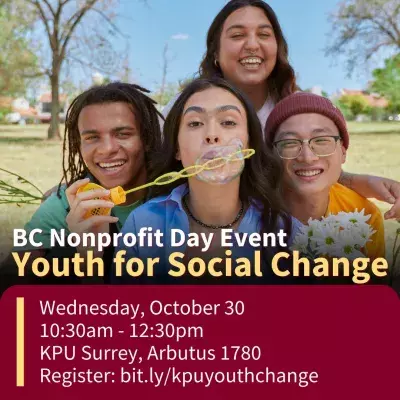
x=303 y=103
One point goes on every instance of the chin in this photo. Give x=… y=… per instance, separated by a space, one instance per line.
x=253 y=80
x=106 y=184
x=311 y=188
x=111 y=183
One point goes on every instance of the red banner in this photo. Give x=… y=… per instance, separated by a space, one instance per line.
x=214 y=342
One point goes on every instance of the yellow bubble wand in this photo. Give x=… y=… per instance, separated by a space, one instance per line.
x=118 y=194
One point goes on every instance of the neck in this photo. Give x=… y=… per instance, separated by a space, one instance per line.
x=304 y=207
x=214 y=204
x=257 y=94
x=139 y=179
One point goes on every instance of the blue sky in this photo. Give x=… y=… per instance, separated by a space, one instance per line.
x=149 y=27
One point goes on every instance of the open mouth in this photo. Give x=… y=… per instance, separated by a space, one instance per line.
x=251 y=62
x=216 y=153
x=308 y=173
x=111 y=166
x=210 y=155
x=220 y=153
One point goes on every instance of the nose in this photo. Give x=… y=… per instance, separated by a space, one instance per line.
x=109 y=145
x=306 y=156
x=211 y=139
x=212 y=136
x=252 y=43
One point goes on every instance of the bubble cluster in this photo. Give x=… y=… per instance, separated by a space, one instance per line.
x=223 y=163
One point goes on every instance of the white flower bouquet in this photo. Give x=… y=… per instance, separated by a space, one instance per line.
x=340 y=235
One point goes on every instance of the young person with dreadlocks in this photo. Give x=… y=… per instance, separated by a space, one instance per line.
x=109 y=132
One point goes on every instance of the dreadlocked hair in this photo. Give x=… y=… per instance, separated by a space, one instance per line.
x=143 y=107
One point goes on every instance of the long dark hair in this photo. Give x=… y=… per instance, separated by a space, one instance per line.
x=142 y=106
x=261 y=177
x=282 y=81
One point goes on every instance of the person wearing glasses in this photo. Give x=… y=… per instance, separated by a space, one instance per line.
x=310 y=136
x=246 y=46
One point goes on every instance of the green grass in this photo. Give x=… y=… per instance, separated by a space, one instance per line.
x=374 y=149
x=376 y=154
x=374 y=127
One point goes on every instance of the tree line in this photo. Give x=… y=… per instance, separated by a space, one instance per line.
x=46 y=38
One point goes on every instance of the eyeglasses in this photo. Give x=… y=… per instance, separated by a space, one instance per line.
x=321 y=146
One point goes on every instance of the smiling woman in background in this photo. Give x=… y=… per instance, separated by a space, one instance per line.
x=246 y=46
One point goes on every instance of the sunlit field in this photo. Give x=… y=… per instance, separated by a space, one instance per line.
x=374 y=149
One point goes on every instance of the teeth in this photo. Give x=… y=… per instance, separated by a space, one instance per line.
x=309 y=173
x=252 y=60
x=112 y=165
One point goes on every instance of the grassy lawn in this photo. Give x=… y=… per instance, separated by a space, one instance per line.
x=374 y=127
x=374 y=149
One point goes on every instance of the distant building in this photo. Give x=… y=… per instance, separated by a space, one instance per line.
x=43 y=107
x=6 y=102
x=21 y=111
x=316 y=90
x=373 y=99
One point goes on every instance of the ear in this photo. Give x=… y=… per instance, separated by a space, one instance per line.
x=344 y=153
x=178 y=155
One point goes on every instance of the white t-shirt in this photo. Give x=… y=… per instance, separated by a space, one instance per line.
x=264 y=111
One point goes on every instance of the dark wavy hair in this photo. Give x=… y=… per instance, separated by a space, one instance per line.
x=282 y=81
x=142 y=106
x=261 y=177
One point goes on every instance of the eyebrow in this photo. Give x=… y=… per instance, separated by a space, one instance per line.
x=115 y=130
x=314 y=131
x=123 y=128
x=202 y=110
x=238 y=26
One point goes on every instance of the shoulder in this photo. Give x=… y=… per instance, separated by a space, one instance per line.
x=287 y=219
x=349 y=200
x=285 y=222
x=343 y=191
x=295 y=228
x=155 y=211
x=296 y=224
x=344 y=199
x=55 y=206
x=51 y=215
